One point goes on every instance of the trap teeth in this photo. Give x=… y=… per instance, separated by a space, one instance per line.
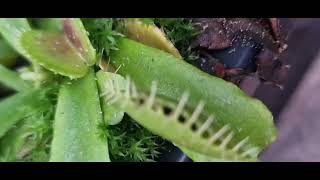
x=226 y=140
x=151 y=99
x=180 y=106
x=195 y=114
x=252 y=152
x=218 y=134
x=240 y=144
x=205 y=125
x=201 y=136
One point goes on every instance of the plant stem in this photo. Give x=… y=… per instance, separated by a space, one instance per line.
x=12 y=80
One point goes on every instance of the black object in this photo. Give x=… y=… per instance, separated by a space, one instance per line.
x=240 y=55
x=174 y=154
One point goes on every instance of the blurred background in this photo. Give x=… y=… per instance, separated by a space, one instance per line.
x=297 y=107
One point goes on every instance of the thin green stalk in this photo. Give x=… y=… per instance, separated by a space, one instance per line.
x=12 y=80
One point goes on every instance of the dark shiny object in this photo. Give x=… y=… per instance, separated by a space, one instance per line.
x=175 y=155
x=240 y=55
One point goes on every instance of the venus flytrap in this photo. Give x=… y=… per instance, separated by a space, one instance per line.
x=74 y=30
x=179 y=123
x=148 y=34
x=55 y=52
x=111 y=115
x=145 y=31
x=246 y=116
x=78 y=36
x=68 y=52
x=208 y=118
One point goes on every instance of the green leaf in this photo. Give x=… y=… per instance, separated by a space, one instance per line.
x=19 y=106
x=12 y=30
x=78 y=114
x=12 y=79
x=55 y=52
x=111 y=115
x=7 y=54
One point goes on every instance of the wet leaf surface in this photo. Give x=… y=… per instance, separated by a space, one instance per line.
x=55 y=52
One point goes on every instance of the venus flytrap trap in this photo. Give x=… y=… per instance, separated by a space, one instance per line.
x=55 y=52
x=68 y=52
x=74 y=30
x=178 y=123
x=111 y=115
x=247 y=116
x=77 y=34
x=148 y=34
